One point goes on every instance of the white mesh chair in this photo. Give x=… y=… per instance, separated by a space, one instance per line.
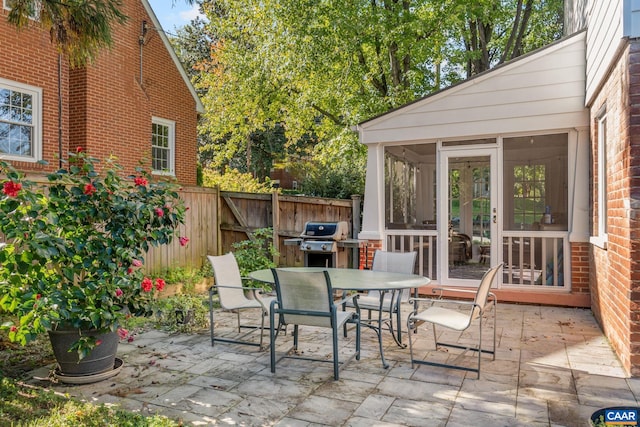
x=231 y=292
x=458 y=318
x=389 y=307
x=306 y=299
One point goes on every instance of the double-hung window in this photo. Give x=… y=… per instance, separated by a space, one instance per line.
x=163 y=146
x=20 y=122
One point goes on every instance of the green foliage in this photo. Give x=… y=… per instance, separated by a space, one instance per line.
x=234 y=180
x=189 y=278
x=78 y=29
x=184 y=312
x=338 y=170
x=73 y=249
x=256 y=253
x=316 y=69
x=25 y=405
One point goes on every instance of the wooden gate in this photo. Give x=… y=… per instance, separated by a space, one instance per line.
x=242 y=213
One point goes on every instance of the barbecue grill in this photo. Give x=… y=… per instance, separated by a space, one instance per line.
x=324 y=244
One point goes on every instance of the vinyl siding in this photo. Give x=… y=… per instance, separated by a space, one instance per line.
x=603 y=38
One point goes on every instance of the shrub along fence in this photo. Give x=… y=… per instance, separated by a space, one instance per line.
x=216 y=219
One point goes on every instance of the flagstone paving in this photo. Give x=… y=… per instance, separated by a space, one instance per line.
x=553 y=368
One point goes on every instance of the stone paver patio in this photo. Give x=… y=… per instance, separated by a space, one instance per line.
x=553 y=368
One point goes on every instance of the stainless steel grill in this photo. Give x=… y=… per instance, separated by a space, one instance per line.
x=319 y=243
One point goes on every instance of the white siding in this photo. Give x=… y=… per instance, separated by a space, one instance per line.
x=539 y=92
x=575 y=16
x=603 y=39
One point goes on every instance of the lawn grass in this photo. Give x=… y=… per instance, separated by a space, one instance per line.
x=26 y=405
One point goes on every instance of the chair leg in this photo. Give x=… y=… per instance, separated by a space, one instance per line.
x=358 y=331
x=480 y=345
x=344 y=327
x=264 y=313
x=336 y=362
x=398 y=320
x=409 y=328
x=211 y=316
x=435 y=337
x=272 y=341
x=495 y=327
x=238 y=313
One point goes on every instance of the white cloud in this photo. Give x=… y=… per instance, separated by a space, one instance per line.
x=188 y=15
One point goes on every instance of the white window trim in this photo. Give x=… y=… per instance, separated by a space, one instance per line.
x=36 y=94
x=601 y=238
x=36 y=17
x=172 y=145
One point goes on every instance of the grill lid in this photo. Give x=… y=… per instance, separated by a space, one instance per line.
x=326 y=230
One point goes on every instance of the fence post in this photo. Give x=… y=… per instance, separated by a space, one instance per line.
x=275 y=220
x=218 y=220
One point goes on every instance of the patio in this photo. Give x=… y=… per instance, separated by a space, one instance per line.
x=553 y=368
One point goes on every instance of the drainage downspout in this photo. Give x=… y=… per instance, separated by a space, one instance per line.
x=60 y=110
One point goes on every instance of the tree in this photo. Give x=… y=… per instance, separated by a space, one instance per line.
x=320 y=68
x=494 y=32
x=78 y=29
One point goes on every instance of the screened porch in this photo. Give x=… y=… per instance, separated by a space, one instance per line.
x=464 y=205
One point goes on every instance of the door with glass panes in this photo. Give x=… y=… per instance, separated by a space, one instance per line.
x=469 y=202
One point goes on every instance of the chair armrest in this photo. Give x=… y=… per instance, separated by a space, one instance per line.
x=455 y=290
x=434 y=301
x=249 y=288
x=256 y=291
x=347 y=298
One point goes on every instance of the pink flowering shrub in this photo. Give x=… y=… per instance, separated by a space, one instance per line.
x=74 y=251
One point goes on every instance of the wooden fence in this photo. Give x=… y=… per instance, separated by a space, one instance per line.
x=215 y=220
x=200 y=228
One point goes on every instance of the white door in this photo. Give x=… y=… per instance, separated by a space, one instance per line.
x=468 y=202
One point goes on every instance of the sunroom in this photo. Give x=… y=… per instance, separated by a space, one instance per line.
x=492 y=170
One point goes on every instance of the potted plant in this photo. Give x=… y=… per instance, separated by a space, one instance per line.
x=73 y=251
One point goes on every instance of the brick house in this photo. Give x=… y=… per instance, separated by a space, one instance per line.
x=135 y=101
x=534 y=164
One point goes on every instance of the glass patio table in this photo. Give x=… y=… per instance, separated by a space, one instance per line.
x=349 y=279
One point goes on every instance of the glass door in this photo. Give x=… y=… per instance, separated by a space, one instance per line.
x=469 y=203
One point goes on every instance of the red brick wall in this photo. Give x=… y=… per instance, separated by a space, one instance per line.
x=38 y=68
x=580 y=268
x=615 y=273
x=107 y=110
x=630 y=208
x=366 y=253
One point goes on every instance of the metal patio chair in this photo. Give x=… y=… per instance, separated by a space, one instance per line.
x=458 y=319
x=393 y=262
x=228 y=283
x=306 y=299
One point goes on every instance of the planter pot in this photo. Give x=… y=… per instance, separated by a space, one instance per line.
x=101 y=359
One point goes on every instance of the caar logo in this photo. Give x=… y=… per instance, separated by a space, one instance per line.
x=617 y=416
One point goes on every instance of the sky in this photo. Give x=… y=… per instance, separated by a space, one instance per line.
x=173 y=16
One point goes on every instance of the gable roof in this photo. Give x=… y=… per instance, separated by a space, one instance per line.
x=174 y=57
x=541 y=90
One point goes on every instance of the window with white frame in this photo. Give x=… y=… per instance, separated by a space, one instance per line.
x=20 y=121
x=34 y=14
x=162 y=146
x=536 y=182
x=600 y=224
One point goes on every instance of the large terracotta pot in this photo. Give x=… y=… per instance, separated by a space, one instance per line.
x=100 y=359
